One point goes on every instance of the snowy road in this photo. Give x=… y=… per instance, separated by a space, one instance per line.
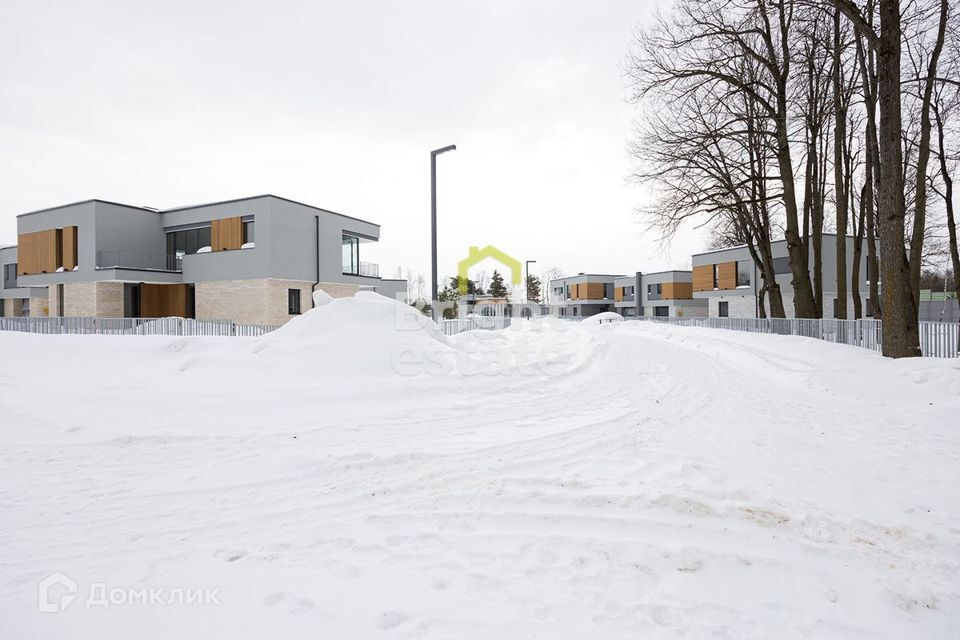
x=650 y=482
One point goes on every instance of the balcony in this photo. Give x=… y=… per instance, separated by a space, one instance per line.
x=138 y=261
x=365 y=269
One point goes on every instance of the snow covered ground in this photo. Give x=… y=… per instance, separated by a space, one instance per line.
x=357 y=475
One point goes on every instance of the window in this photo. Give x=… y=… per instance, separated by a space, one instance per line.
x=25 y=307
x=661 y=312
x=60 y=300
x=293 y=302
x=188 y=241
x=351 y=254
x=723 y=309
x=868 y=309
x=716 y=277
x=10 y=276
x=743 y=273
x=248 y=232
x=781 y=265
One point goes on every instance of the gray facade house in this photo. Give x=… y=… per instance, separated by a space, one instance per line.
x=582 y=295
x=17 y=301
x=667 y=294
x=729 y=280
x=251 y=260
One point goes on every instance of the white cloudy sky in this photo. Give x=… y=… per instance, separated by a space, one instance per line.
x=337 y=103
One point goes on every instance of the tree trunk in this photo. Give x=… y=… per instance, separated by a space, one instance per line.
x=858 y=227
x=948 y=202
x=871 y=175
x=901 y=336
x=923 y=159
x=839 y=179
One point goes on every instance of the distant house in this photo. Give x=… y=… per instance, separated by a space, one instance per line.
x=729 y=280
x=251 y=260
x=667 y=294
x=582 y=295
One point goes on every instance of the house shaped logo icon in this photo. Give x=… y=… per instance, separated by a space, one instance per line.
x=56 y=592
x=477 y=255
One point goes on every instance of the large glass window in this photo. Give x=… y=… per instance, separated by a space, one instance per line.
x=743 y=273
x=187 y=241
x=248 y=232
x=781 y=265
x=351 y=254
x=10 y=276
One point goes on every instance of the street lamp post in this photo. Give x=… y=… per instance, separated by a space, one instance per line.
x=526 y=283
x=433 y=225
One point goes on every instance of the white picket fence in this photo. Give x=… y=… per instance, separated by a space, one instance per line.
x=133 y=326
x=937 y=339
x=476 y=323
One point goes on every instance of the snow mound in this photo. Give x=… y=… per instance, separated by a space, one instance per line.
x=603 y=318
x=367 y=334
x=321 y=297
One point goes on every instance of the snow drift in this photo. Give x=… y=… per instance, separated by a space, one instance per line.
x=662 y=482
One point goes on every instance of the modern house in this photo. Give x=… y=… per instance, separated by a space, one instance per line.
x=669 y=294
x=582 y=295
x=15 y=300
x=664 y=293
x=251 y=260
x=729 y=280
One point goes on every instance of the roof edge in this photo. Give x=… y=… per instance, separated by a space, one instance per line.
x=87 y=201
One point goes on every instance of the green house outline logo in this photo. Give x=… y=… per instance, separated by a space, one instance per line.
x=477 y=255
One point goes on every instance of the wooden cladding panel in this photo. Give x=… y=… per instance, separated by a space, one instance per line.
x=226 y=234
x=703 y=277
x=69 y=248
x=677 y=290
x=39 y=252
x=26 y=254
x=618 y=294
x=591 y=291
x=574 y=292
x=163 y=300
x=727 y=275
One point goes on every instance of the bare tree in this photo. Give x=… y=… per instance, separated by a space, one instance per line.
x=900 y=272
x=706 y=44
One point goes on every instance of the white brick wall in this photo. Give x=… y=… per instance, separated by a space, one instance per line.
x=87 y=300
x=39 y=307
x=262 y=301
x=109 y=300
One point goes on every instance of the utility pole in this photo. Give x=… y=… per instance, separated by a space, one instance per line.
x=433 y=226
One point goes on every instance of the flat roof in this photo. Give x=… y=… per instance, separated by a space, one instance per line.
x=744 y=246
x=589 y=275
x=269 y=195
x=73 y=204
x=196 y=206
x=657 y=273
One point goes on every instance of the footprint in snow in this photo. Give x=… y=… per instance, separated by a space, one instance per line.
x=391 y=619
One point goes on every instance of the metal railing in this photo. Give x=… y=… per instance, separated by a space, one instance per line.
x=937 y=339
x=459 y=325
x=139 y=261
x=133 y=326
x=367 y=269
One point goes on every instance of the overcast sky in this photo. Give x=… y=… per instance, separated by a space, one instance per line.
x=337 y=104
